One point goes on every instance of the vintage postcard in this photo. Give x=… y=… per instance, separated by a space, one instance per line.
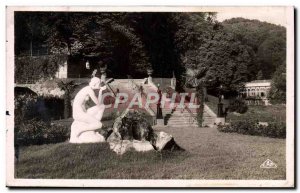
x=150 y=96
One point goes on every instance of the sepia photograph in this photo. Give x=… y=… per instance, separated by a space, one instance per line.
x=150 y=96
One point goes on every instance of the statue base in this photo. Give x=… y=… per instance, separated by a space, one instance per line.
x=86 y=136
x=220 y=121
x=160 y=122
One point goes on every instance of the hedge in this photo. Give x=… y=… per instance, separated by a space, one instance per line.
x=273 y=129
x=34 y=132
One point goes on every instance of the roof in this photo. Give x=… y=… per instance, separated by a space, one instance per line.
x=258 y=83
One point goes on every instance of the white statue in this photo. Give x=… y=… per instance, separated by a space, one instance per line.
x=86 y=121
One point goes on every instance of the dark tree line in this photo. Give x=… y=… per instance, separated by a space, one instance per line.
x=193 y=45
x=268 y=44
x=267 y=41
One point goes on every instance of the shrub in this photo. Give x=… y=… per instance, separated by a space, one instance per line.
x=277 y=94
x=29 y=107
x=274 y=129
x=31 y=69
x=34 y=132
x=238 y=105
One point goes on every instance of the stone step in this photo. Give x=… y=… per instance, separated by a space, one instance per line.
x=182 y=125
x=189 y=114
x=180 y=120
x=183 y=114
x=194 y=123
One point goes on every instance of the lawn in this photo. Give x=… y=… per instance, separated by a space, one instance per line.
x=213 y=101
x=272 y=113
x=208 y=154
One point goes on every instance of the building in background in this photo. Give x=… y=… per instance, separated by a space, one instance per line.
x=256 y=92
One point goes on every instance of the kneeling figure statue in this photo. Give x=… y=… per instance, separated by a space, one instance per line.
x=86 y=121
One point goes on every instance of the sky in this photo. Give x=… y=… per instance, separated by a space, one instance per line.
x=275 y=15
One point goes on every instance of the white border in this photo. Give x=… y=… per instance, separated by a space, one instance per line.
x=11 y=181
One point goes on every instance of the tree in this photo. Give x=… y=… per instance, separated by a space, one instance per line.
x=277 y=93
x=260 y=75
x=99 y=37
x=68 y=87
x=30 y=32
x=267 y=42
x=225 y=59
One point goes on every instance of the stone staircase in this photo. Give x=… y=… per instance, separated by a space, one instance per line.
x=209 y=117
x=180 y=118
x=177 y=118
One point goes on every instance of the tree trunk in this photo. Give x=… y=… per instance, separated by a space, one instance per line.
x=200 y=95
x=67 y=104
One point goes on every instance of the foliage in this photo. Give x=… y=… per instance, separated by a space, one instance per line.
x=267 y=41
x=104 y=37
x=134 y=125
x=31 y=69
x=29 y=107
x=32 y=120
x=249 y=127
x=34 y=132
x=30 y=32
x=260 y=75
x=200 y=111
x=214 y=56
x=277 y=93
x=238 y=105
x=229 y=53
x=68 y=87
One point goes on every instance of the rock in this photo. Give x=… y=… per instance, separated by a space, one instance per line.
x=263 y=123
x=120 y=147
x=142 y=145
x=237 y=114
x=84 y=137
x=131 y=131
x=160 y=140
x=131 y=125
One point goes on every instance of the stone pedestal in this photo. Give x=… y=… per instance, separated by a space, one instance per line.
x=220 y=120
x=149 y=72
x=173 y=82
x=220 y=110
x=150 y=80
x=160 y=122
x=103 y=74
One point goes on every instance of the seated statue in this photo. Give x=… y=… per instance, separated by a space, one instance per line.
x=86 y=121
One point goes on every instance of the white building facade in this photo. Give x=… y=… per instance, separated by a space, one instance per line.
x=257 y=91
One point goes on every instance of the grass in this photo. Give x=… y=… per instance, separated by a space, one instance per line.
x=273 y=113
x=209 y=155
x=213 y=101
x=270 y=113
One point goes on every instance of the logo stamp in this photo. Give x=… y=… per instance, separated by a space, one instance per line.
x=268 y=164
